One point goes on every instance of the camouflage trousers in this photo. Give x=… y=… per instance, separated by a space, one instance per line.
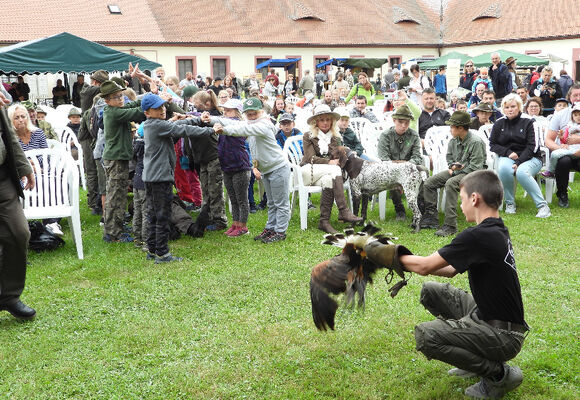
x=211 y=179
x=117 y=172
x=140 y=223
x=91 y=172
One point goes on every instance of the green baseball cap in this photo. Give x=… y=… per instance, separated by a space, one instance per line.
x=459 y=118
x=403 y=112
x=252 y=104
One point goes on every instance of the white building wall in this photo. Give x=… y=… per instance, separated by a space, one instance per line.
x=242 y=59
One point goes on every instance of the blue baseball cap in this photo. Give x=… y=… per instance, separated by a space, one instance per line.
x=151 y=100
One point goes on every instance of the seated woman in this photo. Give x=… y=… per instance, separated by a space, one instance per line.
x=321 y=165
x=534 y=110
x=513 y=140
x=31 y=137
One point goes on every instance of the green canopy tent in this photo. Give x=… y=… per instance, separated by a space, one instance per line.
x=523 y=60
x=434 y=64
x=65 y=53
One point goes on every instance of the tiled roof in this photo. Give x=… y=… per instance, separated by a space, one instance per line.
x=509 y=20
x=294 y=22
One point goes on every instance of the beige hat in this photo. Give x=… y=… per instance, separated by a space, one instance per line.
x=342 y=111
x=322 y=109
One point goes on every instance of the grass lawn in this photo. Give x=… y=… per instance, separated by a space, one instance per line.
x=233 y=321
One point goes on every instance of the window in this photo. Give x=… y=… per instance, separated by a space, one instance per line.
x=220 y=66
x=321 y=59
x=262 y=71
x=394 y=60
x=185 y=64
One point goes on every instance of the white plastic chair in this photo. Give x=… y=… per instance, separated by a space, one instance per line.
x=491 y=158
x=436 y=140
x=55 y=144
x=57 y=119
x=56 y=192
x=358 y=125
x=540 y=131
x=68 y=138
x=293 y=151
x=65 y=108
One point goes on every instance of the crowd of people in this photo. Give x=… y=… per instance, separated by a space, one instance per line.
x=199 y=136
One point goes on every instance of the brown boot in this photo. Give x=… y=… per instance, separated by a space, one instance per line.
x=326 y=201
x=344 y=214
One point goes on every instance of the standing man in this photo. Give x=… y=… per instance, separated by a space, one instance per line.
x=320 y=78
x=251 y=84
x=478 y=332
x=14 y=232
x=466 y=153
x=306 y=83
x=500 y=76
x=440 y=83
x=187 y=81
x=78 y=87
x=23 y=89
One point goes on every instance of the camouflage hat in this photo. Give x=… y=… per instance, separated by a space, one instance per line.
x=459 y=118
x=74 y=111
x=100 y=76
x=483 y=106
x=252 y=104
x=110 y=87
x=40 y=110
x=403 y=112
x=28 y=105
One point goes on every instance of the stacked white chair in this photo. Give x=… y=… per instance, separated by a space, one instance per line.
x=68 y=138
x=56 y=192
x=358 y=125
x=436 y=140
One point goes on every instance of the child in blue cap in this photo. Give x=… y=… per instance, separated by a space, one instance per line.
x=158 y=169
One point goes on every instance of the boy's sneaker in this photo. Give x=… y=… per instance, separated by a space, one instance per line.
x=488 y=389
x=563 y=201
x=230 y=230
x=543 y=212
x=547 y=174
x=461 y=373
x=239 y=231
x=275 y=237
x=102 y=221
x=265 y=233
x=253 y=209
x=167 y=258
x=510 y=208
x=124 y=238
x=150 y=256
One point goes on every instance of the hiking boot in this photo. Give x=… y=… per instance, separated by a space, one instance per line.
x=510 y=208
x=429 y=222
x=461 y=373
x=124 y=238
x=543 y=212
x=488 y=389
x=446 y=230
x=167 y=258
x=265 y=233
x=563 y=201
x=150 y=256
x=276 y=237
x=253 y=209
x=401 y=215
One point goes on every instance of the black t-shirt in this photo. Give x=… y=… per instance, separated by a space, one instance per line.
x=486 y=252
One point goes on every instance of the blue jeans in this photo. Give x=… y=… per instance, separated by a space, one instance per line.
x=525 y=174
x=277 y=184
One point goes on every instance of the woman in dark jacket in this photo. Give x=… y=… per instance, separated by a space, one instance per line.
x=513 y=139
x=290 y=86
x=469 y=76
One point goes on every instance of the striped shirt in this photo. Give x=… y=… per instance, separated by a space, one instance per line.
x=37 y=141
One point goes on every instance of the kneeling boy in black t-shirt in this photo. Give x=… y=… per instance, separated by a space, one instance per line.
x=477 y=332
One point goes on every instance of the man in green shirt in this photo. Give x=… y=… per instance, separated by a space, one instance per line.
x=117 y=117
x=466 y=153
x=399 y=144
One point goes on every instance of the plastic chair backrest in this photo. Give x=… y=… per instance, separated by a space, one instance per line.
x=56 y=179
x=358 y=125
x=436 y=140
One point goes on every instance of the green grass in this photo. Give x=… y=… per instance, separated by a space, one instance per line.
x=233 y=321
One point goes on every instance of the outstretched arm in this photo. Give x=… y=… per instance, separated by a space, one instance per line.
x=430 y=265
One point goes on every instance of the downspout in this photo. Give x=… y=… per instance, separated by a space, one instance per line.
x=440 y=41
